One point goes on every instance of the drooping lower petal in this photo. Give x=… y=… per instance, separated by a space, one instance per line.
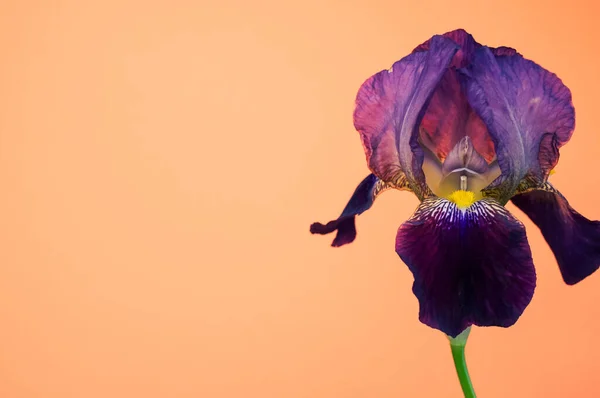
x=528 y=113
x=362 y=199
x=471 y=267
x=574 y=240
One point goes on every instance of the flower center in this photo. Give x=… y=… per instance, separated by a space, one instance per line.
x=462 y=199
x=461 y=176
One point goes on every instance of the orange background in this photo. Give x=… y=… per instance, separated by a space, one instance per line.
x=161 y=163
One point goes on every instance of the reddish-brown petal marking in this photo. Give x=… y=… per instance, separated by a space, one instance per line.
x=449 y=117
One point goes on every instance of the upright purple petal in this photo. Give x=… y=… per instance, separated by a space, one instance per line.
x=463 y=39
x=528 y=113
x=449 y=116
x=390 y=106
x=574 y=240
x=468 y=45
x=471 y=267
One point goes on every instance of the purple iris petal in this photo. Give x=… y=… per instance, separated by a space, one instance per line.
x=471 y=267
x=465 y=41
x=574 y=240
x=390 y=106
x=449 y=117
x=361 y=200
x=468 y=45
x=528 y=113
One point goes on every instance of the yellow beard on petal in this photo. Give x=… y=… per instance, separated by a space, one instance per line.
x=462 y=199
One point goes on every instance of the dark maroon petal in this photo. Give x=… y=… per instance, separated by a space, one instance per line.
x=522 y=104
x=361 y=200
x=574 y=240
x=389 y=109
x=471 y=267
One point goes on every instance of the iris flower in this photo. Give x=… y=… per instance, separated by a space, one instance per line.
x=467 y=128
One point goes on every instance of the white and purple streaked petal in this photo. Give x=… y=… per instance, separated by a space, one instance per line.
x=528 y=113
x=362 y=199
x=574 y=240
x=389 y=109
x=470 y=267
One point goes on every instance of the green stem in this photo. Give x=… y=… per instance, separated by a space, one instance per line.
x=458 y=354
